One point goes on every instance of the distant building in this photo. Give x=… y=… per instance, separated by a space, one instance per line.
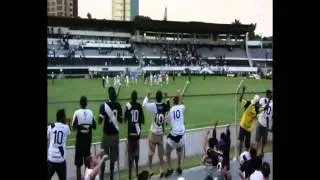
x=66 y=8
x=125 y=10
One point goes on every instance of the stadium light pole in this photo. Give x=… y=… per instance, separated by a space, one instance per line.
x=235 y=119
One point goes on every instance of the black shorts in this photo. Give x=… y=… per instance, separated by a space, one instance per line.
x=82 y=151
x=245 y=136
x=261 y=133
x=60 y=168
x=133 y=147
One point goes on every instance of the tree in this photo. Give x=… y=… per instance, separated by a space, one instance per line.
x=236 y=22
x=142 y=18
x=89 y=16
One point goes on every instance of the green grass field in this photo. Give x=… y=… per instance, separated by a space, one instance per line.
x=216 y=102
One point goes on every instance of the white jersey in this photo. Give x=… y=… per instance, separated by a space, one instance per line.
x=244 y=156
x=267 y=114
x=57 y=133
x=257 y=175
x=85 y=119
x=160 y=78
x=151 y=79
x=114 y=81
x=127 y=78
x=87 y=174
x=176 y=119
x=107 y=79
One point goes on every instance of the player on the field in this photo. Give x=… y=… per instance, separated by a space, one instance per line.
x=175 y=139
x=93 y=165
x=83 y=122
x=57 y=134
x=106 y=81
x=135 y=117
x=103 y=81
x=127 y=80
x=115 y=81
x=251 y=109
x=160 y=79
x=167 y=78
x=264 y=119
x=136 y=77
x=52 y=77
x=158 y=110
x=111 y=115
x=145 y=75
x=151 y=79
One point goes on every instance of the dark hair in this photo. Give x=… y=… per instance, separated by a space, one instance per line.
x=87 y=161
x=265 y=169
x=211 y=143
x=268 y=92
x=143 y=175
x=208 y=178
x=223 y=136
x=61 y=114
x=159 y=96
x=112 y=94
x=176 y=100
x=134 y=96
x=83 y=102
x=253 y=152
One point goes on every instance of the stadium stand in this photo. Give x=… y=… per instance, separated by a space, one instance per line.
x=81 y=42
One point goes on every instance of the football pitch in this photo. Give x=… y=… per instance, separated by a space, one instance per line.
x=206 y=100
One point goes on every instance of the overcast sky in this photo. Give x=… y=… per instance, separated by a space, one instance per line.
x=213 y=11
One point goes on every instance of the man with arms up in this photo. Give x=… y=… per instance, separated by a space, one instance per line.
x=251 y=109
x=155 y=137
x=264 y=119
x=135 y=117
x=111 y=115
x=83 y=122
x=175 y=139
x=57 y=133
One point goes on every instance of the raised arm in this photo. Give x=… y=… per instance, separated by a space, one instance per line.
x=214 y=133
x=101 y=114
x=205 y=142
x=149 y=106
x=127 y=113
x=228 y=135
x=120 y=118
x=242 y=93
x=141 y=115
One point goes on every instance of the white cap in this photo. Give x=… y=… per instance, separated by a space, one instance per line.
x=255 y=99
x=181 y=178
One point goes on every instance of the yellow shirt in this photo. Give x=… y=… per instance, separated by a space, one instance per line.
x=249 y=115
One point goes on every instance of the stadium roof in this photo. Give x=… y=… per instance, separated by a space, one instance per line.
x=150 y=25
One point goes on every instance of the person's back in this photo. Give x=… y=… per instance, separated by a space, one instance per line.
x=176 y=115
x=111 y=127
x=58 y=133
x=137 y=118
x=84 y=123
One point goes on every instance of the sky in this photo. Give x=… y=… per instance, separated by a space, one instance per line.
x=211 y=11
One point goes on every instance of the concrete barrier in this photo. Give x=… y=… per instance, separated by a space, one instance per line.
x=194 y=144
